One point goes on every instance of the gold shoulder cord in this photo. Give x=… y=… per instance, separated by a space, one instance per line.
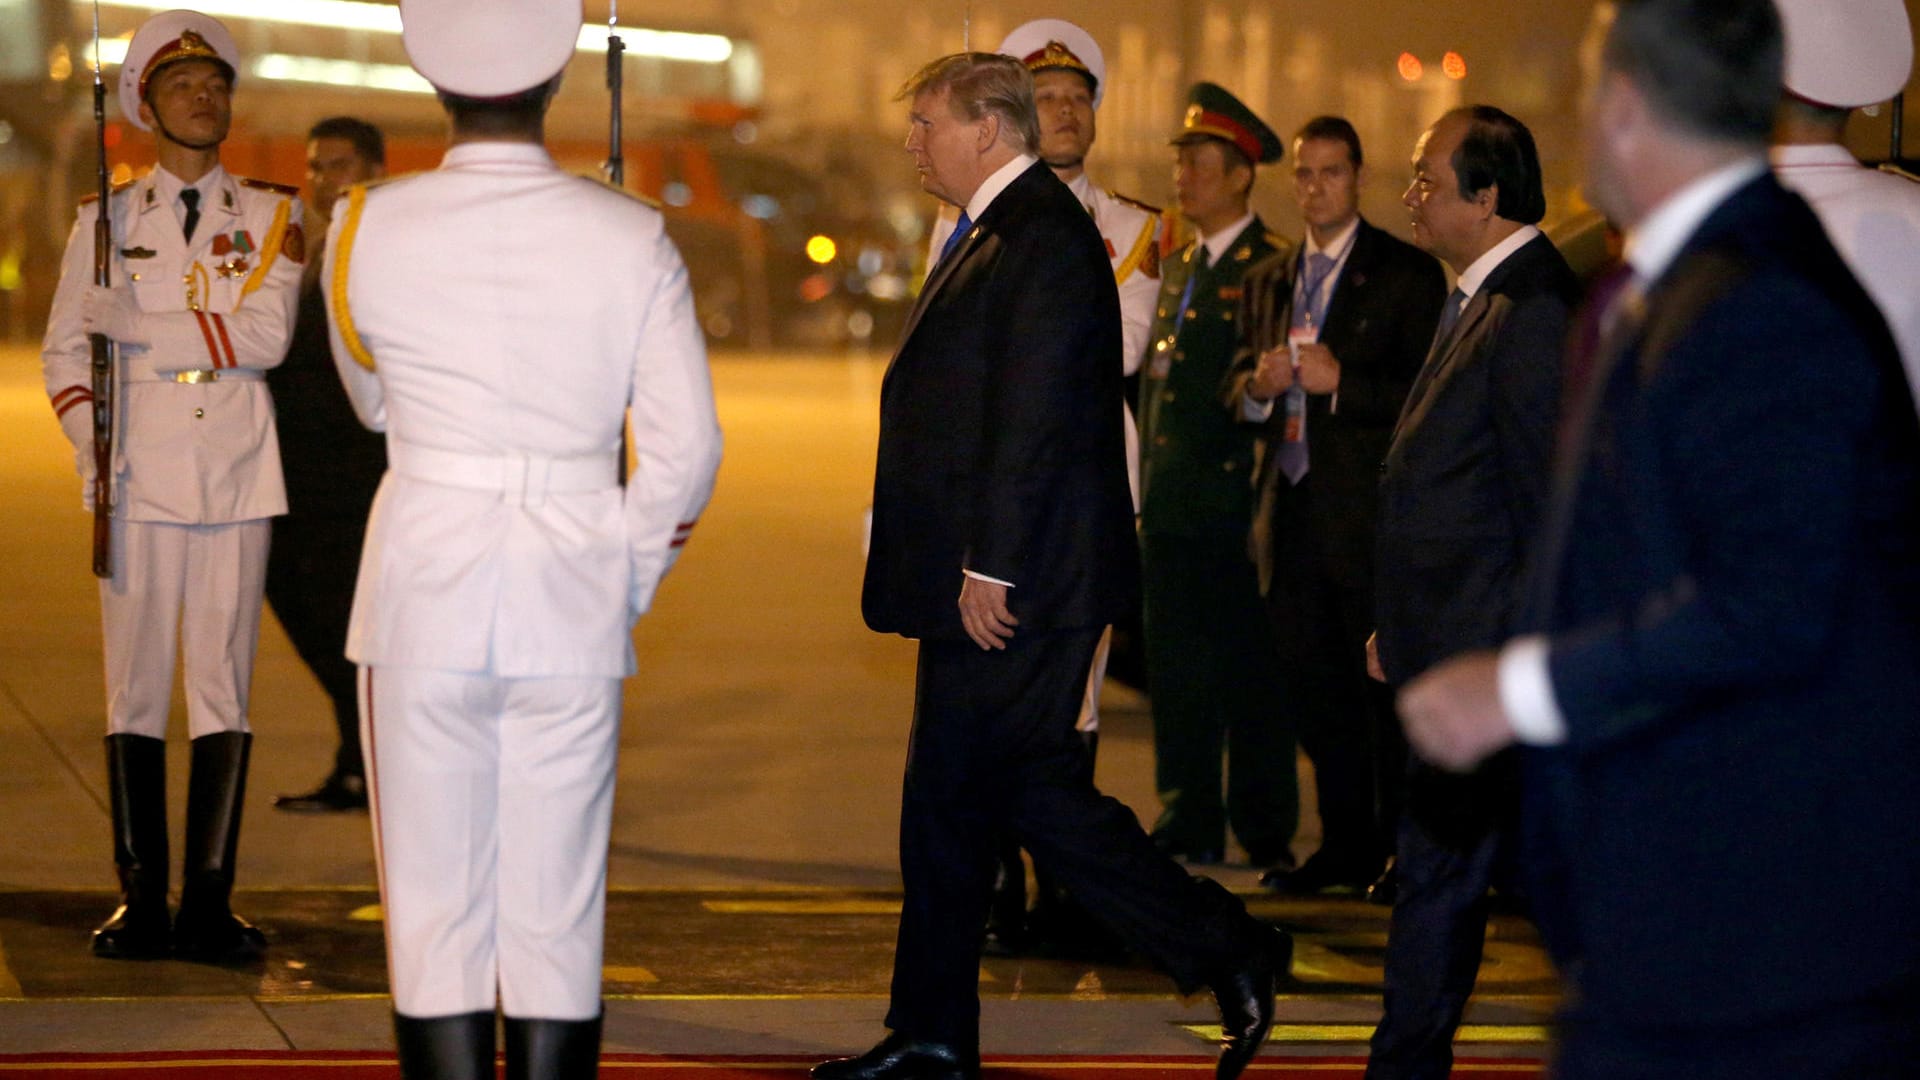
x=276 y=236
x=1148 y=233
x=342 y=315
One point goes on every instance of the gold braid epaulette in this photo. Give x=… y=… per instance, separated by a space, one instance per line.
x=342 y=252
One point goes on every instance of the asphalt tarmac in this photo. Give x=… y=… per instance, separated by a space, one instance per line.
x=753 y=863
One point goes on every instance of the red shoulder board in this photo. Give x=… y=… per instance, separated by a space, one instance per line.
x=267 y=185
x=294 y=244
x=93 y=197
x=1150 y=262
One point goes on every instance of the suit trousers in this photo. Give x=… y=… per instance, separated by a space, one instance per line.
x=1344 y=718
x=492 y=801
x=191 y=588
x=1457 y=840
x=1874 y=1039
x=310 y=581
x=993 y=748
x=1214 y=680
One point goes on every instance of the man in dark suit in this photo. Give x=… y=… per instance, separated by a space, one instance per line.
x=1002 y=482
x=333 y=467
x=1210 y=660
x=1331 y=337
x=1462 y=492
x=1722 y=812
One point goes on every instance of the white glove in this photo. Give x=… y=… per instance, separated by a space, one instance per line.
x=78 y=426
x=113 y=312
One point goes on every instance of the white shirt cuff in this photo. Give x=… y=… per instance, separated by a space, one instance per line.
x=1255 y=412
x=983 y=577
x=1526 y=693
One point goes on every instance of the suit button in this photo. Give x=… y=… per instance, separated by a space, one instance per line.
x=1168 y=396
x=1179 y=354
x=1163 y=313
x=199 y=413
x=1192 y=314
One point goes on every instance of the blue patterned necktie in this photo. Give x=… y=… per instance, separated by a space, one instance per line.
x=960 y=230
x=1308 y=314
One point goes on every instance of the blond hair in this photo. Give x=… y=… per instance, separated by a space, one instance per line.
x=979 y=85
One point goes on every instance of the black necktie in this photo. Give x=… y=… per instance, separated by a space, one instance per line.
x=190 y=196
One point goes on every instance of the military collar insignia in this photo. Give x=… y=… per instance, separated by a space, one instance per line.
x=1243 y=253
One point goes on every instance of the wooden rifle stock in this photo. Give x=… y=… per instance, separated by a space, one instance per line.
x=102 y=367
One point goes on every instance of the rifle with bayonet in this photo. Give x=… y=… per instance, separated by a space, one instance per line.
x=103 y=352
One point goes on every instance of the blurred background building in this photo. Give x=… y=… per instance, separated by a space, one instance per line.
x=769 y=131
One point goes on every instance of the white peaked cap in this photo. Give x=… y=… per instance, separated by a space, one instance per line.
x=1057 y=43
x=489 y=48
x=1846 y=53
x=170 y=36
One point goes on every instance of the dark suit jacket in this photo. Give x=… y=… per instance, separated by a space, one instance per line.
x=1195 y=461
x=1380 y=322
x=1001 y=438
x=1731 y=831
x=1466 y=477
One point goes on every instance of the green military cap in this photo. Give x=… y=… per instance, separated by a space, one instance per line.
x=1213 y=113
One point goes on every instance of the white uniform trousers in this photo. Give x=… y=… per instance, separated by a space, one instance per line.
x=492 y=801
x=1089 y=721
x=188 y=589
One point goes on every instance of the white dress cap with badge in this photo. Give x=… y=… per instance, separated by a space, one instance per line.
x=1846 y=53
x=489 y=48
x=1056 y=43
x=164 y=39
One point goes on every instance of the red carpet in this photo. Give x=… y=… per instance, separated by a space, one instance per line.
x=379 y=1065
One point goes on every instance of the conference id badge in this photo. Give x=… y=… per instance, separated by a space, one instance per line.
x=1294 y=420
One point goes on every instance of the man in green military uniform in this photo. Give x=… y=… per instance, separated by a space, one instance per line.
x=1210 y=660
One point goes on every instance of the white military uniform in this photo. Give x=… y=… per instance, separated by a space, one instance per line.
x=1873 y=218
x=196 y=462
x=496 y=318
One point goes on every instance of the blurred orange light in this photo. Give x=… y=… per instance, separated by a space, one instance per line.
x=1410 y=68
x=113 y=135
x=1454 y=65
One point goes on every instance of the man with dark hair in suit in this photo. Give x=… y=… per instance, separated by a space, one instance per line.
x=1717 y=681
x=1003 y=541
x=1463 y=489
x=333 y=466
x=1331 y=336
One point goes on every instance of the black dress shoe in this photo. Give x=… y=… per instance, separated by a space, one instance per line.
x=1386 y=888
x=135 y=931
x=1245 y=997
x=902 y=1057
x=1323 y=872
x=338 y=793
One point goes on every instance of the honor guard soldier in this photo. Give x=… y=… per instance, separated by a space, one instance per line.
x=1841 y=57
x=205 y=270
x=1069 y=79
x=498 y=318
x=1209 y=647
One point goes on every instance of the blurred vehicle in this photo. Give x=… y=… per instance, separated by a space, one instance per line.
x=782 y=252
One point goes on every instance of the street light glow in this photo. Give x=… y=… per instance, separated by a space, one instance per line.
x=385 y=19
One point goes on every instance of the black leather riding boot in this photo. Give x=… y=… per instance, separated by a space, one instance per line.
x=458 y=1047
x=207 y=929
x=553 y=1049
x=137 y=788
